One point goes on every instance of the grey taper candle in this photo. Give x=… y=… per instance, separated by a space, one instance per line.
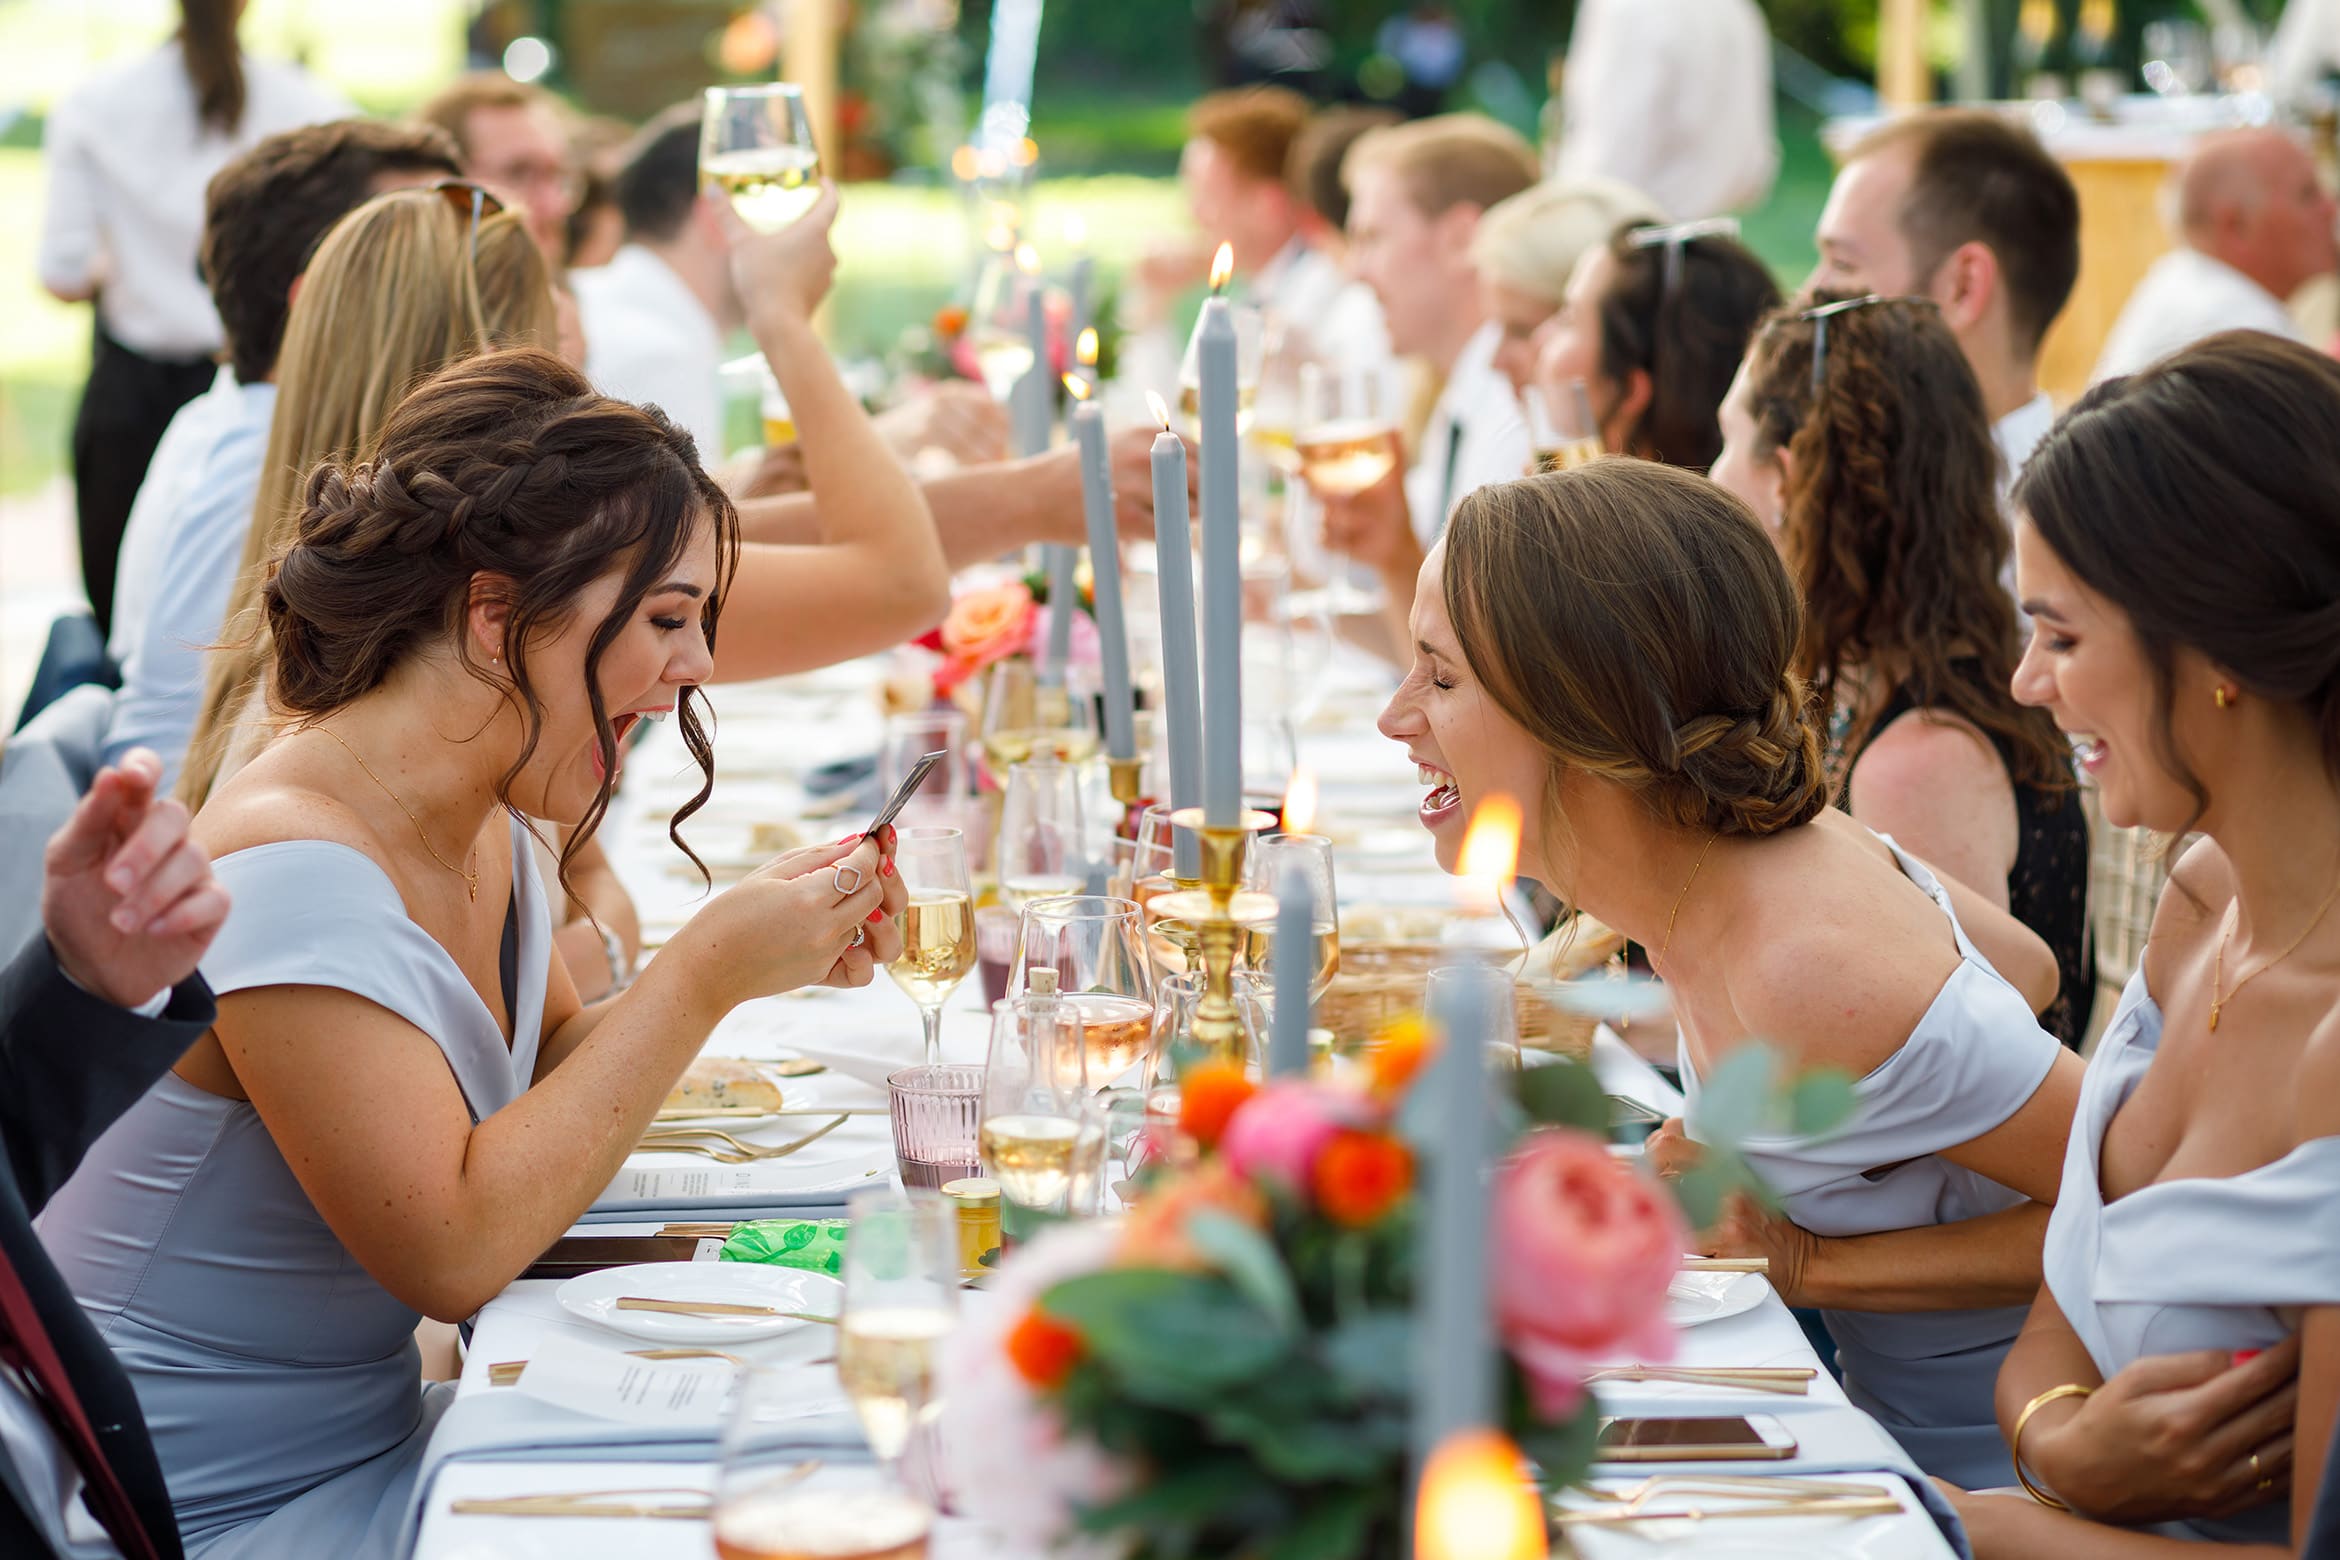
x=1181 y=680
x=1293 y=964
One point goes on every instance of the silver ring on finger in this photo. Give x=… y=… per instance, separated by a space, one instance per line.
x=846 y=877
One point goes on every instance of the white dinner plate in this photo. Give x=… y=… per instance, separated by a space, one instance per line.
x=1693 y=1298
x=594 y=1297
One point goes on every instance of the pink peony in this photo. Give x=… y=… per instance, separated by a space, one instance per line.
x=1586 y=1247
x=1281 y=1129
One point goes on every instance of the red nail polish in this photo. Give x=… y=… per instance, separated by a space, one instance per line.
x=876 y=916
x=2245 y=1356
x=887 y=869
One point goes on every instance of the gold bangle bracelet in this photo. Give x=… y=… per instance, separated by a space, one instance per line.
x=2070 y=1389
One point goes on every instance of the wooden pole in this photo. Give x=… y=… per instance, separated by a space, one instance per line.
x=1903 y=80
x=808 y=57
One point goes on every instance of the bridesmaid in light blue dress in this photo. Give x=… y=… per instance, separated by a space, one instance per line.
x=2179 y=1376
x=402 y=1102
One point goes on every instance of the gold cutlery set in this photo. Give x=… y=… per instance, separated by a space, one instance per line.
x=691 y=1506
x=1723 y=1498
x=716 y=1144
x=1785 y=1380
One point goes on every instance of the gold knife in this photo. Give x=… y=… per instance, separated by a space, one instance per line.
x=717 y=1308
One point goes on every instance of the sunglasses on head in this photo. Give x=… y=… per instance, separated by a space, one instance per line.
x=1673 y=238
x=1819 y=316
x=472 y=200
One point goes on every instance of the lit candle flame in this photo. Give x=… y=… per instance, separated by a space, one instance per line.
x=1086 y=348
x=1028 y=259
x=1476 y=1503
x=1076 y=387
x=1490 y=850
x=1300 y=803
x=1076 y=231
x=1222 y=267
x=1161 y=409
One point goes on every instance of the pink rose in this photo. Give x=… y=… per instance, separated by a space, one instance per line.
x=1280 y=1130
x=1586 y=1247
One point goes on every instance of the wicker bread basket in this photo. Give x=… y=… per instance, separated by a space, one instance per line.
x=1387 y=954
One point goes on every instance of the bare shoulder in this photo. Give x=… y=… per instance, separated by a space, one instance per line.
x=2201 y=885
x=271 y=801
x=2319 y=1080
x=1927 y=750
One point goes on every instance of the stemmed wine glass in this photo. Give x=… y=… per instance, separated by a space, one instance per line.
x=1042 y=841
x=1496 y=1005
x=1025 y=717
x=1033 y=1082
x=901 y=1301
x=938 y=925
x=756 y=145
x=1564 y=435
x=1095 y=947
x=767 y=1509
x=1347 y=438
x=1171 y=1049
x=910 y=737
x=999 y=323
x=1250 y=352
x=1272 y=860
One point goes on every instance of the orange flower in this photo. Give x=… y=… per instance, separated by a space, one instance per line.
x=1360 y=1176
x=1044 y=1350
x=985 y=625
x=1154 y=1233
x=949 y=321
x=1398 y=1055
x=1209 y=1095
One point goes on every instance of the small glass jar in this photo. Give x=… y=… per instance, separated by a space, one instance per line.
x=975 y=1199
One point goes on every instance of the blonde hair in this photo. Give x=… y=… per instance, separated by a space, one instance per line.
x=396 y=292
x=1447 y=160
x=1531 y=242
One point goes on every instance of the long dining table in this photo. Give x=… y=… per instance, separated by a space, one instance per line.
x=776 y=743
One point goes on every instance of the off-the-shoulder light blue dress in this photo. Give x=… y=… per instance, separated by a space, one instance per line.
x=2196 y=1263
x=281 y=1383
x=1976 y=1056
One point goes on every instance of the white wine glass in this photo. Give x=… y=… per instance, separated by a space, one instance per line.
x=1172 y=1050
x=1487 y=994
x=1026 y=717
x=937 y=925
x=767 y=1508
x=901 y=1301
x=1562 y=430
x=1033 y=1083
x=999 y=324
x=1250 y=353
x=1094 y=946
x=911 y=736
x=1042 y=839
x=1347 y=437
x=1273 y=860
x=756 y=146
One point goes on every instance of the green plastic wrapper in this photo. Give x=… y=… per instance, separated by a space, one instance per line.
x=816 y=1245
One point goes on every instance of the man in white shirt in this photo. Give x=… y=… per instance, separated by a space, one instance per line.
x=2254 y=226
x=1964 y=207
x=1674 y=98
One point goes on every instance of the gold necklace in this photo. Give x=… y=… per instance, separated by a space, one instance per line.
x=1667 y=947
x=470 y=875
x=2218 y=966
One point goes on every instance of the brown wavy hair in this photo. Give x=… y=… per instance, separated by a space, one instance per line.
x=1687 y=336
x=1891 y=525
x=1636 y=621
x=2197 y=497
x=507 y=465
x=215 y=61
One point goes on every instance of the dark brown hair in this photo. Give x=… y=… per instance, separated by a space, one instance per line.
x=1891 y=525
x=451 y=108
x=1313 y=169
x=1254 y=126
x=1686 y=334
x=266 y=212
x=657 y=183
x=506 y=464
x=1979 y=177
x=1636 y=621
x=215 y=61
x=2197 y=497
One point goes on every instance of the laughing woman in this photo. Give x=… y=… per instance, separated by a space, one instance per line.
x=1614 y=647
x=2181 y=564
x=402 y=1102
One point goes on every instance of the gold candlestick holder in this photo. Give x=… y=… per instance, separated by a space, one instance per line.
x=1126 y=776
x=1220 y=913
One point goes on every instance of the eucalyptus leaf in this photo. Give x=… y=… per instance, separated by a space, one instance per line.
x=1167 y=1333
x=1300 y=1447
x=1182 y=1498
x=1565 y=1094
x=1333 y=1527
x=1250 y=1263
x=1735 y=1100
x=1563 y=1451
x=1371 y=1355
x=1820 y=1101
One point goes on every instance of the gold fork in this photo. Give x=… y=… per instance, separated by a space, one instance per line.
x=610 y=1503
x=734 y=1151
x=504 y=1373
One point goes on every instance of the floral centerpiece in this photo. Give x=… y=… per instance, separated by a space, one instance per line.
x=1229 y=1370
x=998 y=621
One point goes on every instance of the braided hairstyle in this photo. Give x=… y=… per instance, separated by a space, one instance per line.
x=1634 y=619
x=2197 y=497
x=506 y=466
x=1890 y=520
x=1687 y=334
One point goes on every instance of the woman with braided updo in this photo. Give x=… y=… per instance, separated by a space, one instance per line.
x=1856 y=432
x=1614 y=648
x=403 y=1103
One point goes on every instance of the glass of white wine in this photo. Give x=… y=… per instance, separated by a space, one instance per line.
x=901 y=1301
x=1094 y=945
x=1250 y=354
x=1034 y=1079
x=1273 y=860
x=1042 y=833
x=1347 y=438
x=769 y=1507
x=1025 y=717
x=756 y=146
x=1561 y=427
x=938 y=925
x=999 y=323
x=1492 y=997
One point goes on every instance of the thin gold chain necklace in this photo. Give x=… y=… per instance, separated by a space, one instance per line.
x=470 y=875
x=1667 y=947
x=2218 y=966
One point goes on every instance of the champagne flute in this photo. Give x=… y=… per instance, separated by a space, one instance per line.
x=1566 y=436
x=1033 y=1082
x=910 y=737
x=1347 y=439
x=938 y=925
x=756 y=146
x=766 y=1509
x=901 y=1296
x=1025 y=718
x=1272 y=860
x=999 y=322
x=1040 y=833
x=1094 y=946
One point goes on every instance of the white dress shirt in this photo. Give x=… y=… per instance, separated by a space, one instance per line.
x=1674 y=98
x=649 y=340
x=2017 y=434
x=169 y=477
x=1475 y=436
x=2186 y=296
x=128 y=160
